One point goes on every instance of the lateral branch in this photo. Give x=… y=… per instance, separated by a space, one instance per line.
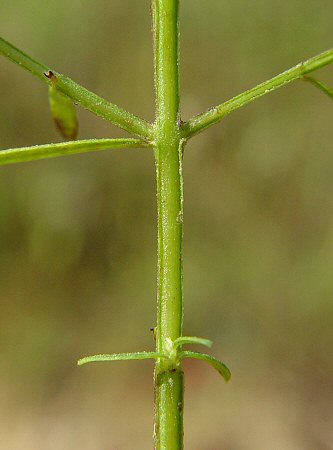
x=216 y=114
x=87 y=99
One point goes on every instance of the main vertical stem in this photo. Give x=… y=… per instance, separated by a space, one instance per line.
x=169 y=391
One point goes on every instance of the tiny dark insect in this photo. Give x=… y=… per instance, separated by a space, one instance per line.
x=50 y=75
x=153 y=330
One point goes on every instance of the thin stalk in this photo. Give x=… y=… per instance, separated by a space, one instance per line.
x=92 y=102
x=168 y=377
x=214 y=115
x=23 y=154
x=327 y=90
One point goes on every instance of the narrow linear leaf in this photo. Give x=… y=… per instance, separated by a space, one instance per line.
x=23 y=154
x=192 y=340
x=62 y=109
x=327 y=90
x=216 y=363
x=120 y=357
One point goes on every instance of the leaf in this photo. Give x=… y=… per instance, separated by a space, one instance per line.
x=62 y=110
x=35 y=152
x=192 y=340
x=327 y=90
x=216 y=363
x=120 y=357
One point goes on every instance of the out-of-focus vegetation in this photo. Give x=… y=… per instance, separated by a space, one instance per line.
x=78 y=238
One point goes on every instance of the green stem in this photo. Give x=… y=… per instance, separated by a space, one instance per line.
x=92 y=102
x=214 y=115
x=169 y=390
x=23 y=154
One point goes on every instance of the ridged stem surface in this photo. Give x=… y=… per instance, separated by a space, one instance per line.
x=169 y=390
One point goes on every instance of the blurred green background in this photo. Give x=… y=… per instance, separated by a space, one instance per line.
x=78 y=234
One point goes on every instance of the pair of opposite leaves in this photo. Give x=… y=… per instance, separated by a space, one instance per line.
x=62 y=109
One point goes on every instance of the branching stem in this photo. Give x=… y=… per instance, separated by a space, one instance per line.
x=168 y=137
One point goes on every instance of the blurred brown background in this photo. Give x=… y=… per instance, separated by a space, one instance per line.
x=78 y=238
